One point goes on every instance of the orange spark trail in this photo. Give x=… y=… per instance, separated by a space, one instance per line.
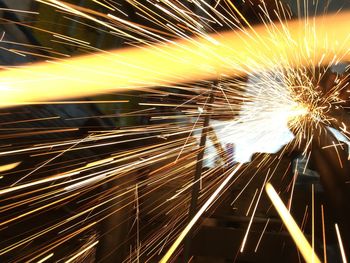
x=189 y=226
x=230 y=53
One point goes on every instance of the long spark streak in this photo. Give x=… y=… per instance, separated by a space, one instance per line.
x=45 y=258
x=252 y=217
x=261 y=236
x=7 y=167
x=198 y=215
x=341 y=246
x=268 y=84
x=292 y=227
x=81 y=252
x=135 y=68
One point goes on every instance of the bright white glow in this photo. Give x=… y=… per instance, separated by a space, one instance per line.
x=262 y=126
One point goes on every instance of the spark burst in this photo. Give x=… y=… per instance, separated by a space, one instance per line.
x=268 y=91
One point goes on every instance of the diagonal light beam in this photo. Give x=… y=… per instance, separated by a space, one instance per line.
x=298 y=237
x=229 y=53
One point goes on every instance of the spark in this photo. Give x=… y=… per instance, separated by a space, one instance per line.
x=251 y=203
x=279 y=97
x=261 y=236
x=82 y=252
x=19 y=11
x=341 y=246
x=189 y=226
x=7 y=167
x=293 y=229
x=252 y=217
x=136 y=68
x=45 y=258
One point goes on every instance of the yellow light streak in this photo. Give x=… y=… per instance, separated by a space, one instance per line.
x=341 y=246
x=45 y=258
x=81 y=252
x=292 y=227
x=7 y=167
x=198 y=215
x=229 y=53
x=37 y=182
